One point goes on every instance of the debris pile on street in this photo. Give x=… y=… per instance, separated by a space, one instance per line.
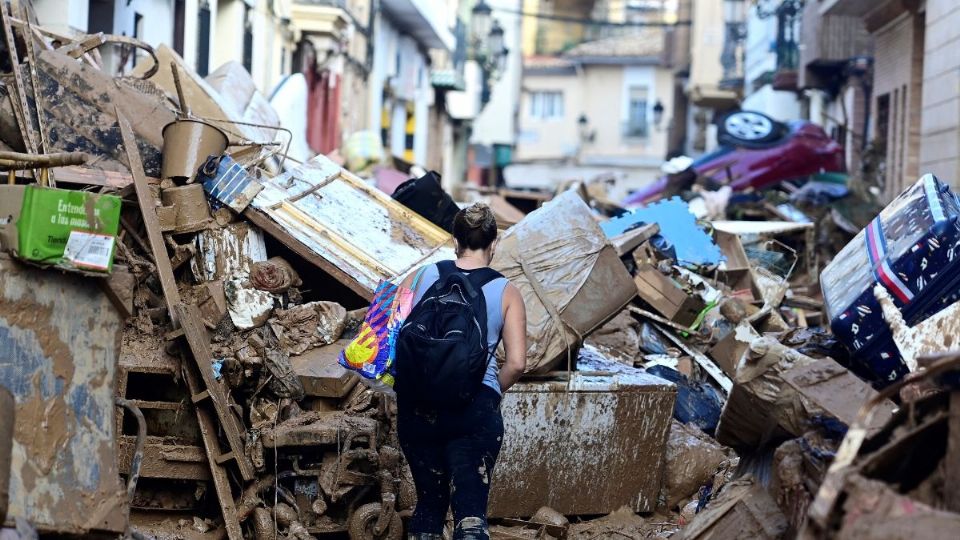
x=176 y=296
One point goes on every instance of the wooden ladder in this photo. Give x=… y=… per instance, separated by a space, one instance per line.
x=210 y=398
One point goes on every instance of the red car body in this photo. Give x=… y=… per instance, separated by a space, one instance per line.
x=805 y=150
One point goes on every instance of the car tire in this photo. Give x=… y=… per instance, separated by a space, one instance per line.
x=749 y=128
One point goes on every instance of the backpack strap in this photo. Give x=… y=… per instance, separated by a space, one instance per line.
x=481 y=276
x=445 y=268
x=475 y=279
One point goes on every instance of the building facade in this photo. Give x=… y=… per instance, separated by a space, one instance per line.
x=603 y=107
x=835 y=78
x=206 y=33
x=771 y=49
x=913 y=109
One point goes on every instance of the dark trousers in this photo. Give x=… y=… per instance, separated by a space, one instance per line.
x=451 y=455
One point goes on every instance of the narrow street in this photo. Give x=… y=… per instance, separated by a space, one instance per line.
x=729 y=227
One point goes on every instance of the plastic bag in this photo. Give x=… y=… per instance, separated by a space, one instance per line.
x=372 y=352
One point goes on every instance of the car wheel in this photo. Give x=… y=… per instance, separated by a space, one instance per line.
x=748 y=128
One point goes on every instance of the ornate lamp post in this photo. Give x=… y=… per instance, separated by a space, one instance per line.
x=488 y=45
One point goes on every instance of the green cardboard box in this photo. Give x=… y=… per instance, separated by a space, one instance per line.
x=74 y=230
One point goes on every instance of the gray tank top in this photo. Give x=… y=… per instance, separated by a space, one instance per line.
x=493 y=296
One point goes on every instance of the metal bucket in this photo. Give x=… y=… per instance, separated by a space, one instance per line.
x=191 y=210
x=7 y=405
x=186 y=146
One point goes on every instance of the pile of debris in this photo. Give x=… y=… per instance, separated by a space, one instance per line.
x=682 y=374
x=230 y=278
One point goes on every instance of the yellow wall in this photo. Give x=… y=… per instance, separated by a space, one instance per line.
x=549 y=139
x=599 y=92
x=706 y=42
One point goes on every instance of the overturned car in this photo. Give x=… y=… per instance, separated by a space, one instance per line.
x=756 y=152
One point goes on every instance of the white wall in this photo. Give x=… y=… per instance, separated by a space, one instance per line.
x=760 y=55
x=496 y=123
x=65 y=16
x=780 y=105
x=410 y=82
x=157 y=16
x=228 y=29
x=156 y=28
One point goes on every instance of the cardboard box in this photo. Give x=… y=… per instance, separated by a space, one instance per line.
x=571 y=278
x=666 y=296
x=830 y=387
x=736 y=272
x=778 y=391
x=743 y=509
x=729 y=350
x=74 y=230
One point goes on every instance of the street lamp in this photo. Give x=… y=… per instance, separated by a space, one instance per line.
x=734 y=10
x=489 y=48
x=585 y=135
x=582 y=124
x=495 y=44
x=657 y=114
x=770 y=8
x=480 y=17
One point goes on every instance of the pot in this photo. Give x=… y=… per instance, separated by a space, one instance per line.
x=186 y=146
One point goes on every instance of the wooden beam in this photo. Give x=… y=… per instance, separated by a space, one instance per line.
x=96 y=177
x=628 y=241
x=148 y=207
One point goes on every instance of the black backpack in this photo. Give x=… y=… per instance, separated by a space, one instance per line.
x=441 y=351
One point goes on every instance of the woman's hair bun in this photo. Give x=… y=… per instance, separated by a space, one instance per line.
x=475 y=227
x=478 y=215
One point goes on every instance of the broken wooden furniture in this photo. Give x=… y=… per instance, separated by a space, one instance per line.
x=898 y=482
x=355 y=233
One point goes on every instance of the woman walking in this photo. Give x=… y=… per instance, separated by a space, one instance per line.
x=452 y=443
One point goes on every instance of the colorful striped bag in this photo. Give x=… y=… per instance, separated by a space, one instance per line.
x=371 y=353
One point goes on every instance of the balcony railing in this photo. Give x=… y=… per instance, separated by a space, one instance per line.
x=787 y=46
x=732 y=57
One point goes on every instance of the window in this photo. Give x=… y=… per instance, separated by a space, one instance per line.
x=248 y=38
x=637 y=113
x=179 y=12
x=546 y=105
x=203 y=39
